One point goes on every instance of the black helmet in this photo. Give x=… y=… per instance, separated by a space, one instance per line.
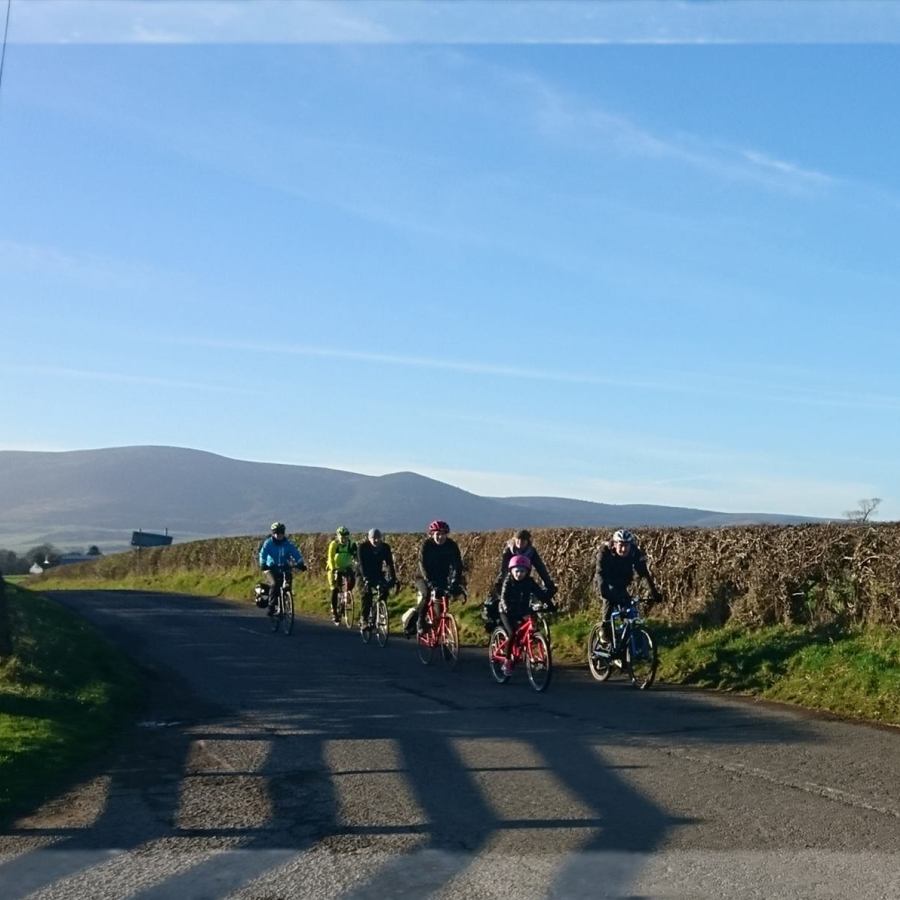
x=523 y=534
x=277 y=528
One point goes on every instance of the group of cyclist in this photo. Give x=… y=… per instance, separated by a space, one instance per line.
x=514 y=593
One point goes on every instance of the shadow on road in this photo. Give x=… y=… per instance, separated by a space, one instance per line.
x=264 y=748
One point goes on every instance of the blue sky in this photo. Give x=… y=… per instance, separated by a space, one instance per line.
x=623 y=252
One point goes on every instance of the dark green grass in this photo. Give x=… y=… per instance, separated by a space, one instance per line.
x=64 y=694
x=852 y=673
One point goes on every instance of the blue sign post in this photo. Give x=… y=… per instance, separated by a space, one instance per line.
x=149 y=539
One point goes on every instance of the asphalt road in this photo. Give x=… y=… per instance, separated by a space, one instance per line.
x=313 y=765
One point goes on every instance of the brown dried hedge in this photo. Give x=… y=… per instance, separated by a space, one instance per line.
x=752 y=575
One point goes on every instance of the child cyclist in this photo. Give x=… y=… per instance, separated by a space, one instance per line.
x=518 y=592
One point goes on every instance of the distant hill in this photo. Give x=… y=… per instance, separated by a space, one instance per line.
x=99 y=497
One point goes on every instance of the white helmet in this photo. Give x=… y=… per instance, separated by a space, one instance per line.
x=623 y=536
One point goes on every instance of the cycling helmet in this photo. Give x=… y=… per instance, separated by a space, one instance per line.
x=278 y=528
x=343 y=531
x=374 y=533
x=520 y=562
x=523 y=534
x=623 y=536
x=438 y=527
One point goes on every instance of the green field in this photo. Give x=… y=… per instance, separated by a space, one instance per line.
x=853 y=673
x=64 y=694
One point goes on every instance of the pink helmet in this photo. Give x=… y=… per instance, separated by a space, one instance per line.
x=520 y=562
x=438 y=527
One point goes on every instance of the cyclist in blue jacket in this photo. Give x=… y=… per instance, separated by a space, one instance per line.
x=275 y=558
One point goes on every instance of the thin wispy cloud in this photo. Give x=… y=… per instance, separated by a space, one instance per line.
x=661 y=22
x=70 y=374
x=92 y=270
x=788 y=169
x=695 y=384
x=471 y=367
x=562 y=116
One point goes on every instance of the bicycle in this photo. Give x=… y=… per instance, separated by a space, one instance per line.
x=283 y=616
x=345 y=602
x=631 y=647
x=378 y=621
x=528 y=641
x=439 y=629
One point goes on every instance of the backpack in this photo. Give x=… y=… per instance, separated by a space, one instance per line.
x=261 y=594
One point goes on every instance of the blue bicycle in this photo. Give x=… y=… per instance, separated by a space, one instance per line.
x=631 y=648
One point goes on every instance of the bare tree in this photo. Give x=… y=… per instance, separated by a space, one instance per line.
x=864 y=510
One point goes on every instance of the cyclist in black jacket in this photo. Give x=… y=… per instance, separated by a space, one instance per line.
x=376 y=567
x=440 y=567
x=619 y=560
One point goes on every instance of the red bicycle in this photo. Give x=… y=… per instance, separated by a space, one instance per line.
x=439 y=629
x=528 y=642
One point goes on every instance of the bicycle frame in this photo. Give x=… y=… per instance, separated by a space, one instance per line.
x=521 y=640
x=622 y=621
x=439 y=630
x=436 y=611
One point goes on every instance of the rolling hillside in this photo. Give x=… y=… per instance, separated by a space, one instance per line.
x=99 y=496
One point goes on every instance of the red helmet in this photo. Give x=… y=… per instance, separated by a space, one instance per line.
x=520 y=562
x=438 y=527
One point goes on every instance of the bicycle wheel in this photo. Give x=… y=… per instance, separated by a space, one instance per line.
x=425 y=645
x=382 y=623
x=599 y=660
x=348 y=611
x=365 y=626
x=538 y=662
x=640 y=658
x=275 y=619
x=287 y=612
x=450 y=641
x=495 y=657
x=544 y=626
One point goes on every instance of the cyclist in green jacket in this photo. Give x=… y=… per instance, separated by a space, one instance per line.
x=341 y=560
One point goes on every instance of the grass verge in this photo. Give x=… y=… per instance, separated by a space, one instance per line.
x=64 y=693
x=853 y=673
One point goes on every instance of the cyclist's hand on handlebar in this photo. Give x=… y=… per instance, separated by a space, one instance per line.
x=459 y=591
